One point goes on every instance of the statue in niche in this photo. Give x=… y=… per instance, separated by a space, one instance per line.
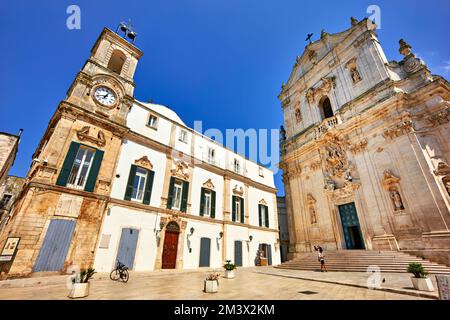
x=298 y=115
x=397 y=200
x=282 y=133
x=312 y=211
x=312 y=208
x=356 y=77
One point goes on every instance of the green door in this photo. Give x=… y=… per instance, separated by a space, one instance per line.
x=350 y=225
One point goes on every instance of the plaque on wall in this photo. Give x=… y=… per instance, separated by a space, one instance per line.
x=9 y=249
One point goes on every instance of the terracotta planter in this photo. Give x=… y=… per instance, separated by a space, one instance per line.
x=211 y=286
x=229 y=274
x=422 y=284
x=79 y=290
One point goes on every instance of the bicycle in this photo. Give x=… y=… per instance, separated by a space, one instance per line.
x=120 y=272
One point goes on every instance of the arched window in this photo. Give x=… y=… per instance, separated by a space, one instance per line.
x=325 y=108
x=116 y=61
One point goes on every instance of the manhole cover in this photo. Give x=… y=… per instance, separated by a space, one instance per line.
x=308 y=292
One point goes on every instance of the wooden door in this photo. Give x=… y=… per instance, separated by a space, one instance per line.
x=169 y=255
x=205 y=252
x=55 y=246
x=238 y=253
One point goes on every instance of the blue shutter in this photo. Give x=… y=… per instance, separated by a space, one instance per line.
x=238 y=253
x=269 y=254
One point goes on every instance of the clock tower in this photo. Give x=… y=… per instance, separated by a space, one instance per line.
x=58 y=215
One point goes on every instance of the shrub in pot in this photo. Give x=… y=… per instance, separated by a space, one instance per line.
x=229 y=269
x=212 y=283
x=80 y=285
x=420 y=280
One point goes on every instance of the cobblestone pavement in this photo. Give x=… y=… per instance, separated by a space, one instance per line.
x=248 y=284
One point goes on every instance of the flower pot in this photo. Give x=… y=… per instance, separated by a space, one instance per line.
x=79 y=290
x=422 y=284
x=211 y=286
x=229 y=274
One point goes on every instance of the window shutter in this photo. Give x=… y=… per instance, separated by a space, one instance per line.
x=148 y=186
x=129 y=189
x=259 y=215
x=202 y=201
x=233 y=215
x=242 y=211
x=170 y=196
x=267 y=216
x=67 y=165
x=184 y=196
x=93 y=173
x=213 y=204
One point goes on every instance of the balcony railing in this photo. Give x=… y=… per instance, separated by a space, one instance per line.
x=327 y=124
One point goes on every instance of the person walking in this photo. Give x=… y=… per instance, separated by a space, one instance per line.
x=321 y=258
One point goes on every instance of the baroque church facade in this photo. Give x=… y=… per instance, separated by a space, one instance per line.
x=117 y=179
x=365 y=148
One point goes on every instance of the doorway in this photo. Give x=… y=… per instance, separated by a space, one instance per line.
x=127 y=247
x=350 y=226
x=170 y=247
x=205 y=252
x=238 y=253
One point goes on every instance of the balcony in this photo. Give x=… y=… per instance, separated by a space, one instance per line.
x=327 y=124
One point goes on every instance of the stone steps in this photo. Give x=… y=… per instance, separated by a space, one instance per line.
x=360 y=260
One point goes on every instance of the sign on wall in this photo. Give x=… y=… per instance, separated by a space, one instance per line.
x=9 y=249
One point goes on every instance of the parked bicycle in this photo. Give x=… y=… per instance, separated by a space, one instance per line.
x=120 y=272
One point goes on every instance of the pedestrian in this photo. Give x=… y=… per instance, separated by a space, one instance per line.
x=321 y=258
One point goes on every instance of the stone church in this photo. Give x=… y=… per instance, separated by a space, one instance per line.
x=365 y=148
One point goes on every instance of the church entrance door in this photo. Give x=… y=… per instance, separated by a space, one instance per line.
x=350 y=226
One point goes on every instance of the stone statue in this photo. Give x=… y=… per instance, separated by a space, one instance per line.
x=356 y=77
x=312 y=211
x=298 y=115
x=348 y=176
x=397 y=200
x=282 y=133
x=354 y=21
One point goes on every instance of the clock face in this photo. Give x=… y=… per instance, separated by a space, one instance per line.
x=105 y=96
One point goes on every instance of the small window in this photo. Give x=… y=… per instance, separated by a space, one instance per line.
x=207 y=206
x=117 y=61
x=237 y=208
x=211 y=155
x=153 y=121
x=139 y=184
x=236 y=166
x=261 y=172
x=183 y=136
x=263 y=215
x=81 y=167
x=177 y=192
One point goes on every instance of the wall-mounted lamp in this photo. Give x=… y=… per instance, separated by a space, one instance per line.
x=220 y=235
x=189 y=241
x=250 y=238
x=192 y=230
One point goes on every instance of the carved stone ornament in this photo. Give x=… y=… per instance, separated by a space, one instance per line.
x=83 y=135
x=336 y=162
x=440 y=117
x=238 y=191
x=345 y=193
x=180 y=170
x=208 y=184
x=263 y=202
x=389 y=180
x=359 y=146
x=315 y=165
x=398 y=130
x=173 y=220
x=354 y=73
x=442 y=169
x=144 y=162
x=324 y=87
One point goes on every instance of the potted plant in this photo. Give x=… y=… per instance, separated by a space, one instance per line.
x=420 y=280
x=80 y=284
x=229 y=269
x=212 y=283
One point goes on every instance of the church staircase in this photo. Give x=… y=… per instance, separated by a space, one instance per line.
x=359 y=260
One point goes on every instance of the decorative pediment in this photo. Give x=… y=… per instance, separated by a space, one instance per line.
x=322 y=89
x=208 y=184
x=442 y=169
x=263 y=202
x=144 y=162
x=83 y=135
x=389 y=180
x=238 y=191
x=344 y=193
x=181 y=170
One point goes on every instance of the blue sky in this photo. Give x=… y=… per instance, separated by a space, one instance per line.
x=219 y=61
